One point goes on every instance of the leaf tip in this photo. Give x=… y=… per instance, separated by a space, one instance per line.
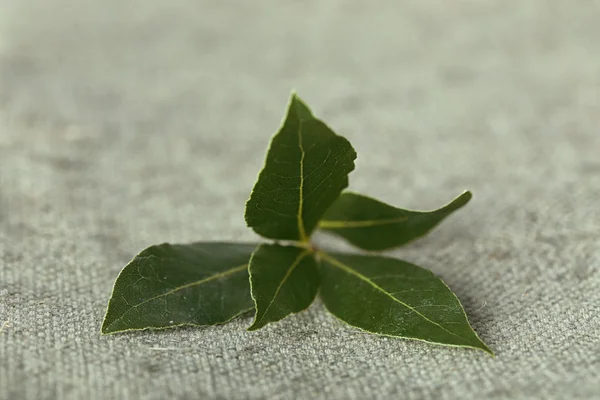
x=105 y=328
x=483 y=347
x=294 y=98
x=478 y=344
x=466 y=196
x=301 y=109
x=458 y=202
x=255 y=326
x=104 y=331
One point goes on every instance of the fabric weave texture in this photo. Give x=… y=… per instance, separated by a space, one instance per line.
x=126 y=124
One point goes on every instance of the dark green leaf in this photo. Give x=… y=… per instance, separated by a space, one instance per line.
x=284 y=280
x=394 y=298
x=306 y=168
x=172 y=285
x=373 y=225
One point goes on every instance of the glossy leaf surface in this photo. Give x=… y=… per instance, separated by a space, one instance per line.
x=394 y=298
x=183 y=284
x=284 y=280
x=306 y=168
x=372 y=225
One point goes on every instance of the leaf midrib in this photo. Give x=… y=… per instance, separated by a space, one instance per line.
x=175 y=290
x=301 y=230
x=346 y=268
x=340 y=224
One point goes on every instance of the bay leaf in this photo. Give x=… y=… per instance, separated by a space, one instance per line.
x=171 y=285
x=373 y=225
x=394 y=298
x=306 y=168
x=284 y=280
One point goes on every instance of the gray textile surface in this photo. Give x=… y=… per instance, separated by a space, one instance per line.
x=124 y=124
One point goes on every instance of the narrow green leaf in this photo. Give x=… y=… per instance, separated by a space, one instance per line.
x=394 y=298
x=306 y=168
x=372 y=225
x=172 y=285
x=284 y=280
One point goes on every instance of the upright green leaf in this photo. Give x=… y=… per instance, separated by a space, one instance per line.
x=172 y=285
x=394 y=298
x=372 y=225
x=306 y=168
x=284 y=280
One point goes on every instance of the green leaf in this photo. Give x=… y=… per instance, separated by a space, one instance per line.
x=394 y=298
x=172 y=285
x=284 y=280
x=306 y=168
x=372 y=225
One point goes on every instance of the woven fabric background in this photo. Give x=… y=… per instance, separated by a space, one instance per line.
x=129 y=123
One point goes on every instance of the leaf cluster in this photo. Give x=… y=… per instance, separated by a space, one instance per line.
x=299 y=190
